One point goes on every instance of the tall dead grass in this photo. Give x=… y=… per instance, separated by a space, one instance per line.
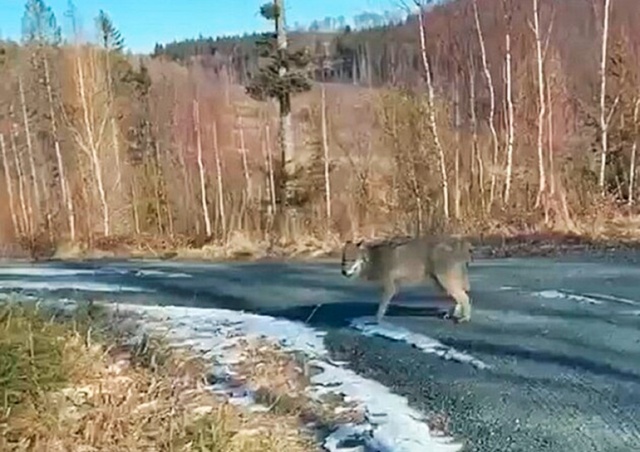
x=64 y=388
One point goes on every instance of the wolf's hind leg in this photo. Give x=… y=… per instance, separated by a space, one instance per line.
x=388 y=292
x=455 y=282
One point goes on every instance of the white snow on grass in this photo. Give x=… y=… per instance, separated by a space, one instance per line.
x=390 y=424
x=51 y=285
x=419 y=341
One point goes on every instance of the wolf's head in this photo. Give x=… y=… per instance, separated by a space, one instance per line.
x=355 y=258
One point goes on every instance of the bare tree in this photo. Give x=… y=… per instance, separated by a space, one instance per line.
x=203 y=186
x=216 y=151
x=30 y=151
x=25 y=203
x=541 y=102
x=634 y=150
x=457 y=124
x=270 y=169
x=9 y=183
x=245 y=163
x=325 y=148
x=509 y=98
x=433 y=125
x=476 y=157
x=66 y=197
x=604 y=121
x=492 y=102
x=91 y=142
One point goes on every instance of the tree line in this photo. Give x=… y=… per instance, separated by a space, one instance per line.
x=476 y=115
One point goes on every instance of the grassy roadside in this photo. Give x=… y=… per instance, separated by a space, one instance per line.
x=67 y=383
x=498 y=241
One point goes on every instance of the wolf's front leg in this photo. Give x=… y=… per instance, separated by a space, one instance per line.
x=388 y=291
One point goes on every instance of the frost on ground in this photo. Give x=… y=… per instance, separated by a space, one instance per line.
x=420 y=341
x=388 y=425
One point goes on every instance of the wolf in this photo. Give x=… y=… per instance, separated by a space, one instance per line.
x=442 y=260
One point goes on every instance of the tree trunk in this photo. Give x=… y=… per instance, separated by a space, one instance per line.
x=552 y=175
x=286 y=132
x=542 y=180
x=203 y=187
x=604 y=123
x=216 y=150
x=7 y=177
x=457 y=124
x=270 y=169
x=492 y=101
x=476 y=157
x=32 y=162
x=93 y=150
x=634 y=151
x=245 y=164
x=432 y=115
x=66 y=197
x=325 y=148
x=510 y=115
x=25 y=203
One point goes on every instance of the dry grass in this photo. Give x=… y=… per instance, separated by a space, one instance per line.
x=280 y=380
x=62 y=392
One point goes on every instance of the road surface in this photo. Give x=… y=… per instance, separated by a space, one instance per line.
x=559 y=338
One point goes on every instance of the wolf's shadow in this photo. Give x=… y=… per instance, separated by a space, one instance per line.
x=337 y=315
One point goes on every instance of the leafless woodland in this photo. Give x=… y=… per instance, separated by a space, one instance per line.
x=477 y=116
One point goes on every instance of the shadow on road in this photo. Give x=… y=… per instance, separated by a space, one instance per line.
x=337 y=315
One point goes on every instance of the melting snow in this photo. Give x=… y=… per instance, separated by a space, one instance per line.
x=51 y=285
x=161 y=274
x=390 y=424
x=43 y=272
x=568 y=296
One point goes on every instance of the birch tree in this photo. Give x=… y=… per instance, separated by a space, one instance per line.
x=431 y=105
x=604 y=121
x=492 y=101
x=203 y=186
x=506 y=5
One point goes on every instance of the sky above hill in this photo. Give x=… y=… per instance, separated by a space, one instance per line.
x=145 y=22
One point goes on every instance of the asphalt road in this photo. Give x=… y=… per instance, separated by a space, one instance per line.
x=561 y=338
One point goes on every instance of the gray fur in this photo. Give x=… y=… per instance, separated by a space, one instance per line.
x=439 y=259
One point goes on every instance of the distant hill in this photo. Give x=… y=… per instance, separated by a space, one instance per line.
x=342 y=54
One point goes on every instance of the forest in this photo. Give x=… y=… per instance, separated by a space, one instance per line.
x=470 y=116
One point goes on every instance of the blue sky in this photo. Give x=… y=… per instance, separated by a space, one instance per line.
x=145 y=22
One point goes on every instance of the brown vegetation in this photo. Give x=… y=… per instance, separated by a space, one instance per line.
x=516 y=130
x=63 y=389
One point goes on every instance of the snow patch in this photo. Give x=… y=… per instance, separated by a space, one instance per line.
x=161 y=274
x=419 y=341
x=554 y=294
x=87 y=286
x=43 y=272
x=614 y=299
x=390 y=424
